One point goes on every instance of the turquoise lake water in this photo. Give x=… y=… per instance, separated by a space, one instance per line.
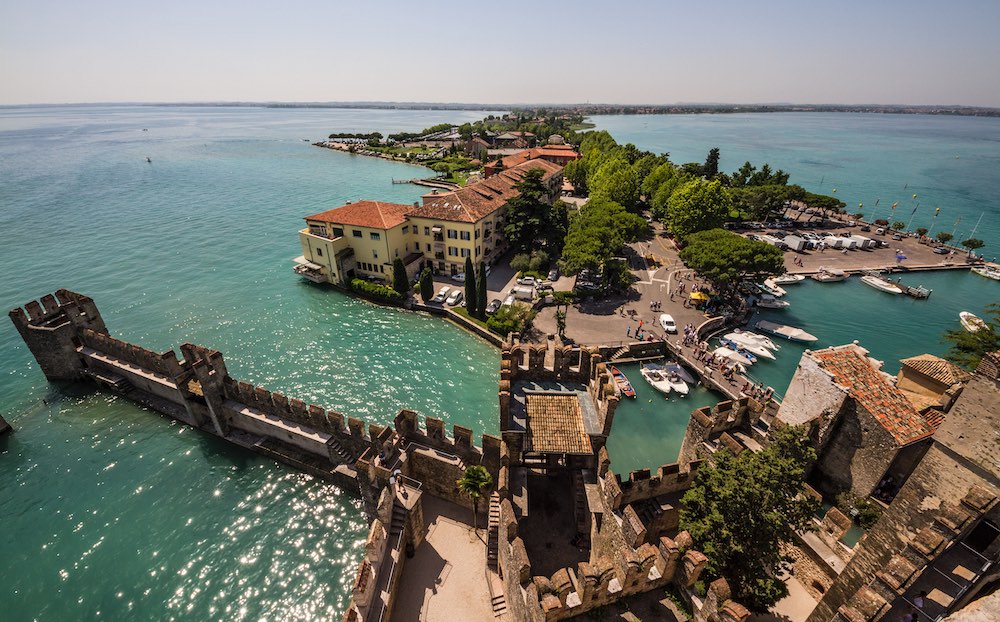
x=113 y=512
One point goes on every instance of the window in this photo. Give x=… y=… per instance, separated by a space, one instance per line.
x=356 y=233
x=375 y=254
x=452 y=251
x=427 y=231
x=477 y=251
x=338 y=232
x=381 y=268
x=452 y=234
x=428 y=247
x=375 y=236
x=477 y=234
x=317 y=230
x=465 y=252
x=406 y=228
x=319 y=252
x=466 y=235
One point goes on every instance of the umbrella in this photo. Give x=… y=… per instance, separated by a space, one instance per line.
x=699 y=296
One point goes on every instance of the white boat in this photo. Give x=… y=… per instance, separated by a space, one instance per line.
x=753 y=342
x=988 y=271
x=751 y=346
x=829 y=275
x=971 y=322
x=881 y=284
x=787 y=279
x=770 y=287
x=731 y=356
x=677 y=368
x=763 y=340
x=656 y=376
x=783 y=330
x=770 y=302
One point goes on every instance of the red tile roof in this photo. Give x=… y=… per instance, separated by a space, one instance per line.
x=373 y=214
x=937 y=368
x=477 y=201
x=538 y=153
x=874 y=393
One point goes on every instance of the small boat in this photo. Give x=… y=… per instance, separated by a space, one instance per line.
x=746 y=335
x=677 y=368
x=626 y=387
x=770 y=302
x=829 y=275
x=148 y=159
x=787 y=279
x=971 y=322
x=735 y=347
x=988 y=271
x=731 y=356
x=655 y=376
x=770 y=287
x=881 y=284
x=783 y=330
x=749 y=345
x=677 y=384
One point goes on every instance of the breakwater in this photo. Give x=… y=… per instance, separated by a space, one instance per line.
x=66 y=334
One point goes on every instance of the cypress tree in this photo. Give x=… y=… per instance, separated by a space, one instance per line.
x=426 y=285
x=481 y=290
x=399 y=281
x=470 y=288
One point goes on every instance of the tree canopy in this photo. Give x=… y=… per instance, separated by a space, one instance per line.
x=696 y=206
x=616 y=181
x=725 y=258
x=968 y=348
x=597 y=232
x=531 y=220
x=740 y=510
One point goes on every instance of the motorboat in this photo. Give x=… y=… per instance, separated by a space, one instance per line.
x=656 y=376
x=971 y=322
x=783 y=330
x=770 y=287
x=749 y=345
x=881 y=284
x=677 y=384
x=683 y=374
x=746 y=335
x=830 y=275
x=735 y=347
x=989 y=272
x=787 y=279
x=668 y=324
x=770 y=302
x=731 y=355
x=623 y=383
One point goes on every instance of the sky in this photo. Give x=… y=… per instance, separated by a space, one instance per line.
x=803 y=51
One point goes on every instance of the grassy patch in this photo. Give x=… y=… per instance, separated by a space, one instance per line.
x=465 y=313
x=576 y=127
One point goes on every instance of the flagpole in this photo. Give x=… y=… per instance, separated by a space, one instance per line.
x=911 y=216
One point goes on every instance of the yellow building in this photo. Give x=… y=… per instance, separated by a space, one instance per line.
x=361 y=240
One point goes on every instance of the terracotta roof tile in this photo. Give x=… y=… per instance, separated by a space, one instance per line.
x=875 y=394
x=555 y=424
x=374 y=214
x=937 y=368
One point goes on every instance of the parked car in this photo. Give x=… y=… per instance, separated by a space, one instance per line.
x=880 y=231
x=441 y=295
x=553 y=274
x=942 y=250
x=458 y=278
x=508 y=301
x=866 y=228
x=455 y=297
x=493 y=306
x=897 y=237
x=527 y=280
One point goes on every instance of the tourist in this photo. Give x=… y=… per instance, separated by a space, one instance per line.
x=918 y=600
x=628 y=330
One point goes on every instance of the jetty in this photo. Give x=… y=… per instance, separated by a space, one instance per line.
x=431 y=183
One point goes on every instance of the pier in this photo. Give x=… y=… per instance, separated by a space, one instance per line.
x=430 y=183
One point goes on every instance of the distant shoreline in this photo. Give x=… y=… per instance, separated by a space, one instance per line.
x=583 y=109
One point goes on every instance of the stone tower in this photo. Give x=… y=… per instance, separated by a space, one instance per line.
x=51 y=327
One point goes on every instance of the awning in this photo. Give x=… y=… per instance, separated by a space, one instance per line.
x=699 y=296
x=302 y=261
x=436 y=229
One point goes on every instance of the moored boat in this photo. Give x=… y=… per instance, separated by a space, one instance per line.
x=787 y=279
x=988 y=271
x=770 y=302
x=683 y=374
x=783 y=330
x=881 y=284
x=731 y=355
x=622 y=381
x=747 y=335
x=830 y=275
x=971 y=322
x=677 y=384
x=656 y=377
x=737 y=348
x=749 y=345
x=770 y=287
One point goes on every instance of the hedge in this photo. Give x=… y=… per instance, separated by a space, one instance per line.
x=377 y=292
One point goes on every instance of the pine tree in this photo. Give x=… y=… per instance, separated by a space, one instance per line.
x=470 y=288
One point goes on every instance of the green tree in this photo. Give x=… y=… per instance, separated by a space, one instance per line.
x=921 y=231
x=471 y=291
x=696 y=206
x=726 y=259
x=426 y=285
x=656 y=178
x=576 y=173
x=944 y=237
x=474 y=483
x=521 y=262
x=741 y=509
x=967 y=348
x=481 y=289
x=616 y=181
x=972 y=244
x=400 y=282
x=758 y=202
x=531 y=220
x=899 y=225
x=510 y=319
x=711 y=167
x=596 y=233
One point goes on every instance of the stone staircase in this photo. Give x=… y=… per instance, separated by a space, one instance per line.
x=493 y=532
x=398 y=523
x=499 y=605
x=617 y=354
x=341 y=453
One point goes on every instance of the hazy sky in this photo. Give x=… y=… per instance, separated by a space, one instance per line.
x=803 y=51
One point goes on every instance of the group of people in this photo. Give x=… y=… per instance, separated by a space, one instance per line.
x=757 y=391
x=797 y=261
x=690 y=334
x=654 y=305
x=640 y=334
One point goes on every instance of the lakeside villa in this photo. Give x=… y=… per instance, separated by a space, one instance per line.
x=361 y=240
